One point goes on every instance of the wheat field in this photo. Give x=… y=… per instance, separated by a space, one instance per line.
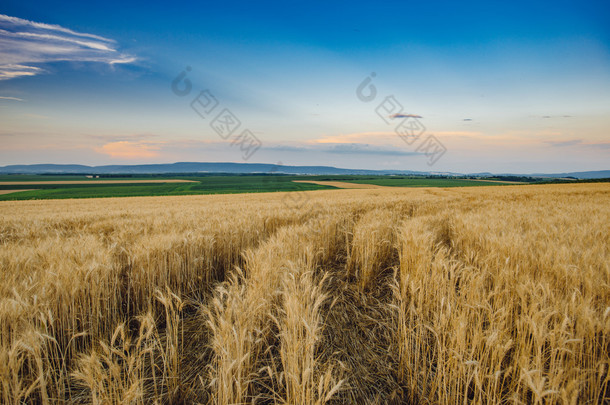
x=439 y=296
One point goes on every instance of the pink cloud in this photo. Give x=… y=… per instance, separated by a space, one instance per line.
x=129 y=150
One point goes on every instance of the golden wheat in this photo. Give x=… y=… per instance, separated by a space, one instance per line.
x=471 y=295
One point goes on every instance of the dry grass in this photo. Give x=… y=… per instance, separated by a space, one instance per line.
x=14 y=191
x=478 y=295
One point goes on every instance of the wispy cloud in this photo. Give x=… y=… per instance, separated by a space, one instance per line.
x=126 y=59
x=555 y=116
x=16 y=21
x=459 y=133
x=10 y=71
x=373 y=137
x=343 y=149
x=579 y=142
x=11 y=98
x=144 y=137
x=360 y=149
x=380 y=138
x=26 y=44
x=570 y=142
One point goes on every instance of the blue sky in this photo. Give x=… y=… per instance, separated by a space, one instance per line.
x=515 y=87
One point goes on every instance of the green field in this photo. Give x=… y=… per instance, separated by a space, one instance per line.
x=202 y=184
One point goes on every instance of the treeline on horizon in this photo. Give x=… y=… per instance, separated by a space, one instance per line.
x=321 y=177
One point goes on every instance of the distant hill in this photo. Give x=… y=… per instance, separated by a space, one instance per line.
x=236 y=168
x=600 y=174
x=190 y=167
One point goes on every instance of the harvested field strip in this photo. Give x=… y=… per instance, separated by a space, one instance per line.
x=340 y=184
x=498 y=181
x=15 y=191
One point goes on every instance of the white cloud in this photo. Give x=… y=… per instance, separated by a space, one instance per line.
x=25 y=44
x=16 y=21
x=10 y=71
x=128 y=59
x=11 y=98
